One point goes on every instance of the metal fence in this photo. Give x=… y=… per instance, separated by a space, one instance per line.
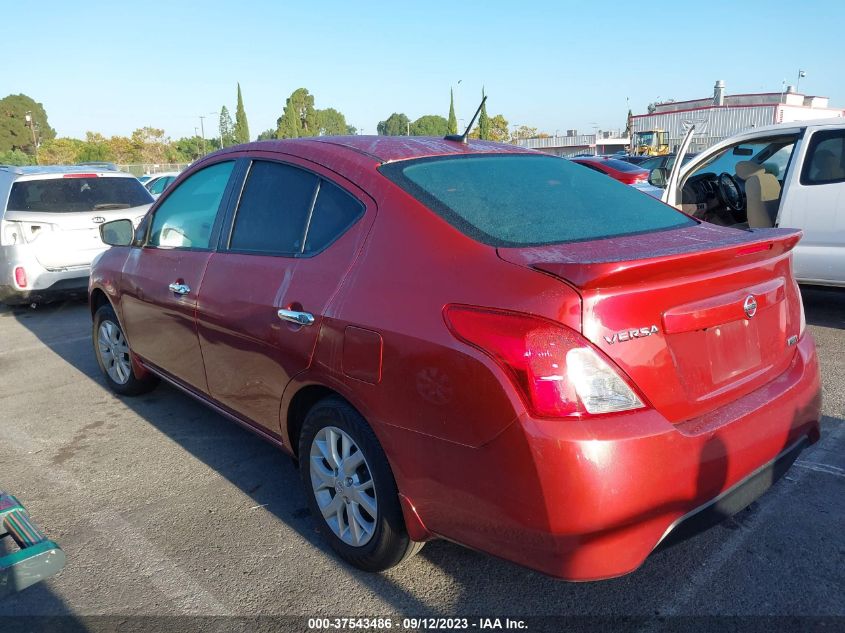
x=150 y=168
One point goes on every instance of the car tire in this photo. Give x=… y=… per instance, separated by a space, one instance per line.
x=114 y=357
x=346 y=500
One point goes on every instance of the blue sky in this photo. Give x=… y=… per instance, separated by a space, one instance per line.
x=116 y=66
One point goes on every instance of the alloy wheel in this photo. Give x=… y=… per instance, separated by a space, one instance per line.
x=343 y=486
x=114 y=352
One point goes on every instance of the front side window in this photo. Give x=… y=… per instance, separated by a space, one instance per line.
x=772 y=154
x=825 y=162
x=512 y=200
x=186 y=218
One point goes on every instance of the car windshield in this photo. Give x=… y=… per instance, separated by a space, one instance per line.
x=772 y=153
x=525 y=200
x=77 y=194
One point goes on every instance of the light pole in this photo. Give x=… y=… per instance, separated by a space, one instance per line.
x=202 y=130
x=801 y=74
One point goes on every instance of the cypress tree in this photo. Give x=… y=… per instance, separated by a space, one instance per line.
x=483 y=121
x=453 y=121
x=241 y=130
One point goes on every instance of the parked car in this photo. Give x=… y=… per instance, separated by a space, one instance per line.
x=617 y=169
x=790 y=175
x=470 y=341
x=157 y=183
x=632 y=158
x=49 y=220
x=33 y=557
x=666 y=161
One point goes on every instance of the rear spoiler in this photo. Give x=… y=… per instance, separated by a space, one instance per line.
x=656 y=256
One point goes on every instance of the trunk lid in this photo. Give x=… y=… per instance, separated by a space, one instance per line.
x=68 y=240
x=696 y=316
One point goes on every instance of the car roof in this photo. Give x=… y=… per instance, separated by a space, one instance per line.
x=385 y=149
x=38 y=170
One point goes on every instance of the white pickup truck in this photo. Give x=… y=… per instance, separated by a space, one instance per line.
x=788 y=175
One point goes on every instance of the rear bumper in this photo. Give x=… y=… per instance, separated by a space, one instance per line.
x=587 y=500
x=42 y=284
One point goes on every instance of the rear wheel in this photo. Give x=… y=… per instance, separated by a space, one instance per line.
x=113 y=356
x=350 y=488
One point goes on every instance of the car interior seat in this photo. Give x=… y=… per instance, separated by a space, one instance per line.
x=762 y=194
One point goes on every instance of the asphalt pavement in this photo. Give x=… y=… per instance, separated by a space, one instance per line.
x=165 y=508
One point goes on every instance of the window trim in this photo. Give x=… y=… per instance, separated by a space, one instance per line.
x=226 y=245
x=818 y=137
x=222 y=208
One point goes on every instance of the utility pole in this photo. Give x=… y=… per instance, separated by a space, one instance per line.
x=202 y=130
x=30 y=122
x=196 y=134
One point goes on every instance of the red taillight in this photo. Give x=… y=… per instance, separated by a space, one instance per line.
x=20 y=277
x=557 y=371
x=80 y=176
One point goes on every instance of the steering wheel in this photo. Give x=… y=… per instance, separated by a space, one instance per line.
x=729 y=191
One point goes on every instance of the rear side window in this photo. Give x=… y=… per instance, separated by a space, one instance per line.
x=274 y=209
x=75 y=194
x=285 y=210
x=186 y=217
x=508 y=200
x=825 y=162
x=334 y=212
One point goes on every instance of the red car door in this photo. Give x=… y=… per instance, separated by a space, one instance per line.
x=161 y=279
x=293 y=237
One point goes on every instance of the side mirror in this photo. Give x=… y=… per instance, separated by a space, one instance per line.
x=117 y=232
x=658 y=176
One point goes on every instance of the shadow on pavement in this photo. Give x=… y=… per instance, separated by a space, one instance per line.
x=485 y=585
x=824 y=306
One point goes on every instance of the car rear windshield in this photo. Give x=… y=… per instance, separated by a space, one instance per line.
x=510 y=200
x=621 y=165
x=76 y=194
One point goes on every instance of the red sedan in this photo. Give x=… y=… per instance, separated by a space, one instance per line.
x=615 y=168
x=468 y=341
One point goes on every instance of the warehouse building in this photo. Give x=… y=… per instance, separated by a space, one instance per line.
x=722 y=115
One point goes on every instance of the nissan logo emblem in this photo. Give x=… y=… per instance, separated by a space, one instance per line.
x=750 y=306
x=98 y=219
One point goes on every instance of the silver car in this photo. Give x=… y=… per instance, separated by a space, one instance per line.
x=49 y=226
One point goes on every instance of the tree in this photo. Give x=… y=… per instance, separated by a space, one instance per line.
x=299 y=117
x=523 y=132
x=227 y=132
x=241 y=129
x=331 y=122
x=453 y=121
x=395 y=125
x=499 y=129
x=149 y=145
x=267 y=135
x=483 y=120
x=15 y=157
x=188 y=149
x=14 y=132
x=430 y=125
x=351 y=130
x=59 y=151
x=95 y=147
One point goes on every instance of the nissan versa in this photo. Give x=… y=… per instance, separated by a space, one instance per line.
x=468 y=341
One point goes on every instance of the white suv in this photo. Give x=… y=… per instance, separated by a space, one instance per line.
x=49 y=226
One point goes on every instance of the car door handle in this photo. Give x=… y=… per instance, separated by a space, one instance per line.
x=294 y=316
x=180 y=289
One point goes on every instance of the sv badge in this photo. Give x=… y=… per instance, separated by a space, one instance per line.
x=629 y=335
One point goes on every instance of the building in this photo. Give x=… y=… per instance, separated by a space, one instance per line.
x=602 y=142
x=720 y=116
